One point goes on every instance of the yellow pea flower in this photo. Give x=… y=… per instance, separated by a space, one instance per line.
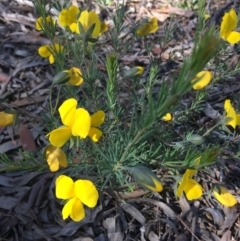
x=234 y=119
x=39 y=23
x=104 y=27
x=47 y=51
x=229 y=23
x=150 y=27
x=87 y=19
x=75 y=76
x=76 y=193
x=189 y=186
x=96 y=120
x=225 y=197
x=77 y=122
x=6 y=119
x=204 y=79
x=55 y=158
x=68 y=17
x=167 y=117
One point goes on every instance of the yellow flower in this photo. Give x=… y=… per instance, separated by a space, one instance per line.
x=75 y=76
x=234 y=119
x=87 y=19
x=207 y=16
x=204 y=79
x=6 y=119
x=225 y=197
x=68 y=17
x=189 y=186
x=104 y=27
x=167 y=117
x=48 y=51
x=147 y=28
x=77 y=122
x=96 y=120
x=55 y=158
x=146 y=178
x=229 y=23
x=76 y=193
x=40 y=23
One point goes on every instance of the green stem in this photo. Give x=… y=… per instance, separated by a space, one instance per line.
x=129 y=146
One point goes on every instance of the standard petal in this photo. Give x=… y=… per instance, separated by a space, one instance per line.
x=97 y=118
x=6 y=119
x=67 y=111
x=59 y=137
x=232 y=23
x=231 y=114
x=144 y=30
x=93 y=18
x=193 y=190
x=225 y=197
x=81 y=124
x=86 y=191
x=227 y=105
x=55 y=158
x=95 y=134
x=44 y=51
x=72 y=14
x=64 y=187
x=63 y=18
x=204 y=79
x=233 y=37
x=225 y=28
x=154 y=25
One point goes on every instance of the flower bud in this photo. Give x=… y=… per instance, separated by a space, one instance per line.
x=146 y=178
x=61 y=78
x=196 y=139
x=133 y=72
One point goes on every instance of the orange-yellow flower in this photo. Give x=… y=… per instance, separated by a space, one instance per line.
x=225 y=197
x=68 y=17
x=40 y=23
x=233 y=118
x=150 y=27
x=6 y=119
x=55 y=158
x=49 y=51
x=204 y=79
x=189 y=186
x=76 y=193
x=77 y=122
x=229 y=23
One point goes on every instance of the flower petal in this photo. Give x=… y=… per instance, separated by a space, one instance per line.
x=97 y=118
x=67 y=111
x=81 y=124
x=6 y=119
x=64 y=187
x=44 y=51
x=204 y=79
x=233 y=37
x=86 y=191
x=193 y=190
x=95 y=134
x=59 y=137
x=74 y=209
x=225 y=197
x=230 y=114
x=55 y=158
x=63 y=18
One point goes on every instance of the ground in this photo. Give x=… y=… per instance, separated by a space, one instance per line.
x=28 y=207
